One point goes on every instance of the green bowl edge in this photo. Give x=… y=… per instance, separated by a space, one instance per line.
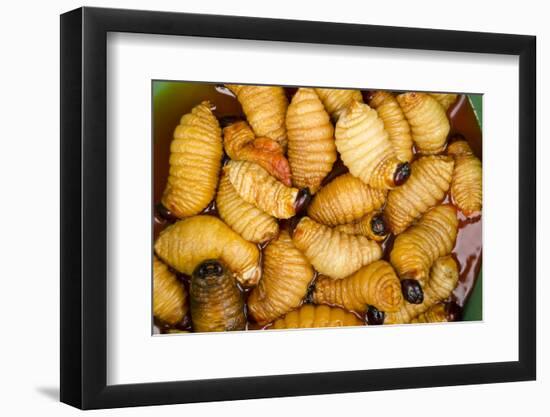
x=473 y=310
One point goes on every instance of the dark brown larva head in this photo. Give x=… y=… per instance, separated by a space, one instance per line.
x=378 y=225
x=368 y=96
x=308 y=299
x=412 y=291
x=166 y=214
x=453 y=311
x=292 y=223
x=302 y=200
x=209 y=268
x=374 y=316
x=402 y=173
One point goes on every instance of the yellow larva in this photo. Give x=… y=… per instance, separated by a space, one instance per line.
x=466 y=186
x=429 y=182
x=241 y=144
x=244 y=218
x=372 y=226
x=375 y=284
x=418 y=247
x=217 y=305
x=337 y=100
x=256 y=186
x=195 y=161
x=284 y=283
x=169 y=295
x=445 y=99
x=438 y=313
x=187 y=243
x=344 y=200
x=395 y=123
x=311 y=148
x=429 y=123
x=441 y=283
x=365 y=148
x=309 y=316
x=265 y=109
x=333 y=253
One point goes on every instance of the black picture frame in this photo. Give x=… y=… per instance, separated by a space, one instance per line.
x=84 y=207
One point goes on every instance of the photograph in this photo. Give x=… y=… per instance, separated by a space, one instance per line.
x=270 y=209
x=282 y=207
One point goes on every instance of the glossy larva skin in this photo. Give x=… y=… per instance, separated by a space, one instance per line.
x=256 y=186
x=466 y=185
x=265 y=109
x=334 y=253
x=169 y=295
x=337 y=100
x=395 y=123
x=435 y=314
x=429 y=182
x=364 y=227
x=365 y=147
x=286 y=276
x=244 y=218
x=375 y=284
x=433 y=236
x=344 y=200
x=235 y=137
x=441 y=283
x=195 y=161
x=445 y=99
x=187 y=243
x=429 y=123
x=216 y=303
x=310 y=316
x=241 y=144
x=311 y=148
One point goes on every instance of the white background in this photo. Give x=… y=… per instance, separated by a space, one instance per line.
x=30 y=237
x=130 y=346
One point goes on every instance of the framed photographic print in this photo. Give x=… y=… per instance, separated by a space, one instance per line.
x=258 y=208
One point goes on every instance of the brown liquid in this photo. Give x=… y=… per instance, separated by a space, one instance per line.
x=468 y=248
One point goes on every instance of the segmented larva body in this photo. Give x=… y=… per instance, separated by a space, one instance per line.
x=372 y=226
x=418 y=247
x=337 y=100
x=240 y=143
x=333 y=253
x=244 y=218
x=446 y=100
x=235 y=137
x=187 y=243
x=286 y=276
x=441 y=283
x=375 y=284
x=311 y=148
x=395 y=123
x=265 y=109
x=429 y=182
x=216 y=303
x=195 y=161
x=169 y=295
x=428 y=121
x=344 y=200
x=365 y=147
x=256 y=186
x=466 y=186
x=435 y=314
x=310 y=316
